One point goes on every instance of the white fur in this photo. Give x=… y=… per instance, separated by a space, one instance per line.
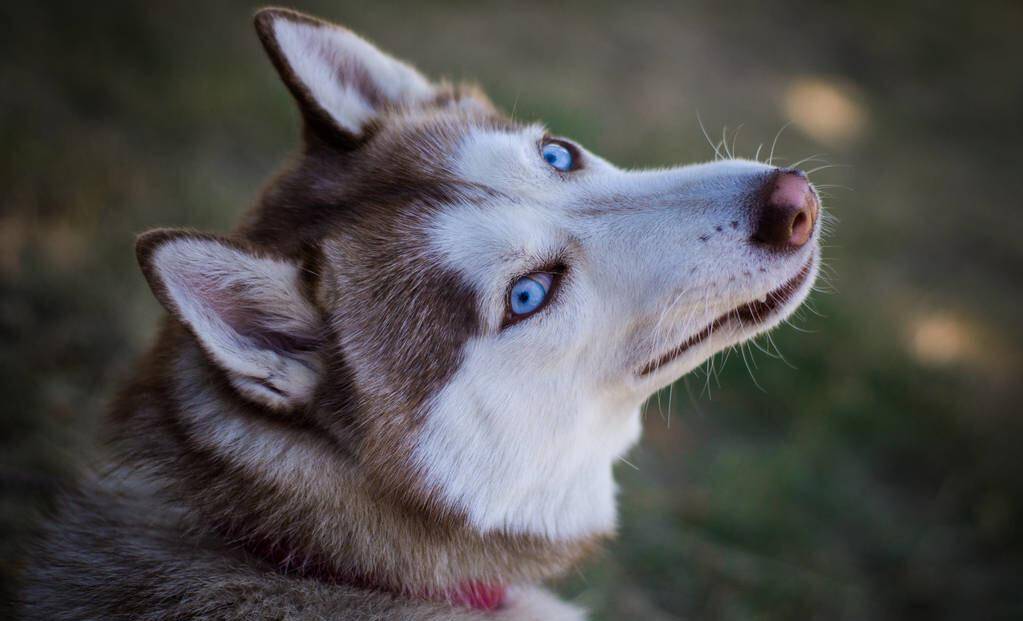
x=524 y=437
x=528 y=603
x=204 y=279
x=523 y=451
x=324 y=58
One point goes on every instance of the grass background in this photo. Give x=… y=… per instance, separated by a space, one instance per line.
x=874 y=475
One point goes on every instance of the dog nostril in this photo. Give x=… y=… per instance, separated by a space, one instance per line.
x=800 y=228
x=787 y=212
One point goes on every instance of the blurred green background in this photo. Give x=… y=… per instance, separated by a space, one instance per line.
x=875 y=473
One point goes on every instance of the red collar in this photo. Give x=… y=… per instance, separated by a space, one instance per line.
x=475 y=595
x=472 y=594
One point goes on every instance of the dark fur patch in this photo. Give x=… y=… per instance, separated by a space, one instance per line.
x=350 y=210
x=357 y=220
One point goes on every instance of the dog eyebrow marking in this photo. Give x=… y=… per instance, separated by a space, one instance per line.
x=506 y=159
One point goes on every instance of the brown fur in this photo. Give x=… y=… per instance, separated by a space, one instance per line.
x=171 y=528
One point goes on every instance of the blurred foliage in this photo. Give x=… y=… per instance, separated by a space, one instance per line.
x=874 y=473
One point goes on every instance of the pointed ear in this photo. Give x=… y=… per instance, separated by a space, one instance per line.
x=341 y=81
x=247 y=310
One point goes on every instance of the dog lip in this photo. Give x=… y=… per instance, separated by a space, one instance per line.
x=750 y=313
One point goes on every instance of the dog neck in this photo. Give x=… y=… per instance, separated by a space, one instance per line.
x=295 y=494
x=469 y=594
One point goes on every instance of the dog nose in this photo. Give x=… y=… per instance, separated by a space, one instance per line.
x=788 y=210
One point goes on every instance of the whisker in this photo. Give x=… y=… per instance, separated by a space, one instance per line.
x=735 y=139
x=813 y=158
x=774 y=143
x=515 y=104
x=742 y=350
x=671 y=391
x=800 y=329
x=717 y=153
x=628 y=463
x=781 y=356
x=827 y=166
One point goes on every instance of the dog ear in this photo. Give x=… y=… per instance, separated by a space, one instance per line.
x=247 y=310
x=341 y=81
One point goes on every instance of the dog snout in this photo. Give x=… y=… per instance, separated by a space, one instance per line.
x=787 y=211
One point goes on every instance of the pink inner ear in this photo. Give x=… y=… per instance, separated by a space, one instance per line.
x=236 y=304
x=350 y=71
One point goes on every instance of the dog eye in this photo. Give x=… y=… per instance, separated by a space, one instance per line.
x=558 y=156
x=528 y=294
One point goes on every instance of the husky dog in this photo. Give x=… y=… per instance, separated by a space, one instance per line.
x=398 y=389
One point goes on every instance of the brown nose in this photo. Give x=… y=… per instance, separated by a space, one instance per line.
x=788 y=210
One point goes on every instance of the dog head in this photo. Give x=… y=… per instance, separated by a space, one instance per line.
x=475 y=309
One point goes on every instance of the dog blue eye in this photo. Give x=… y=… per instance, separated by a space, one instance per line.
x=557 y=156
x=529 y=292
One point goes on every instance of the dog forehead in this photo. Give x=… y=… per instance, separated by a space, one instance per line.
x=505 y=159
x=523 y=221
x=495 y=240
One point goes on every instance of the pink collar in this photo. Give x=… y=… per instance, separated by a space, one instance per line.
x=472 y=594
x=475 y=595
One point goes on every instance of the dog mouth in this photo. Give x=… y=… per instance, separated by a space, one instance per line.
x=749 y=314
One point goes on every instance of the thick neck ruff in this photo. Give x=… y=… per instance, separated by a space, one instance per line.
x=471 y=594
